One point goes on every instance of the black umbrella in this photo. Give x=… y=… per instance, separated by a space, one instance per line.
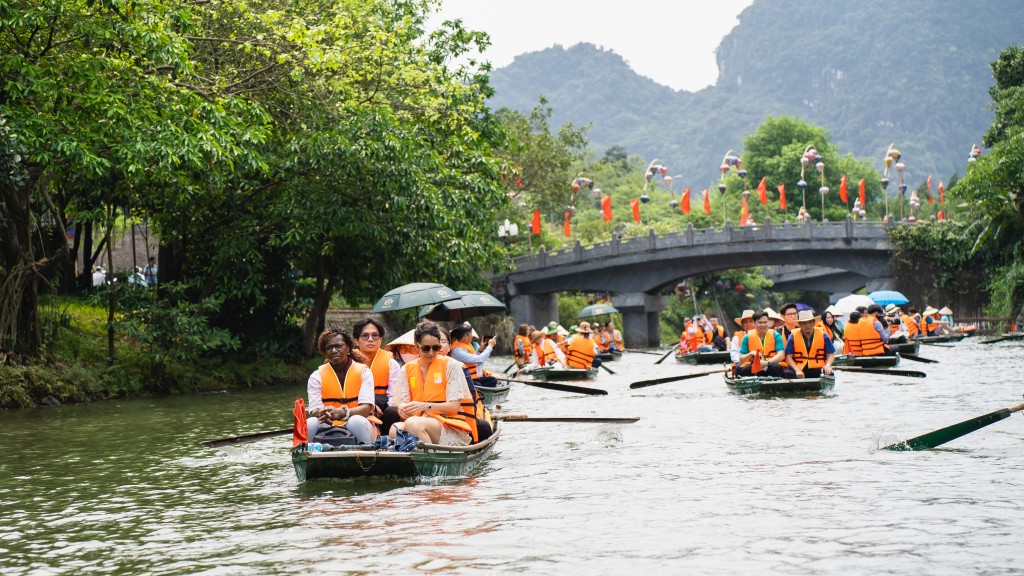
x=472 y=303
x=413 y=296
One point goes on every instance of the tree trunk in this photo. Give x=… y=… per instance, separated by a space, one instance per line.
x=314 y=325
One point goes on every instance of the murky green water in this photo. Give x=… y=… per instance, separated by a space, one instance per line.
x=707 y=482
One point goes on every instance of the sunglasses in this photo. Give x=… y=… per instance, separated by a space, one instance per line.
x=429 y=348
x=369 y=336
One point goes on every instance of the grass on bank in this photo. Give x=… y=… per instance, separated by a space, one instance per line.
x=74 y=366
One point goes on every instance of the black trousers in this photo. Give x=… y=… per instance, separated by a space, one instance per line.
x=770 y=369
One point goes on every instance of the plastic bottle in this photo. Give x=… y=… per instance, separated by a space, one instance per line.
x=314 y=447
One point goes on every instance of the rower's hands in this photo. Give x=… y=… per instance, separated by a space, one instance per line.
x=826 y=369
x=800 y=373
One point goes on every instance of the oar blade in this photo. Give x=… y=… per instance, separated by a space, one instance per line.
x=885 y=371
x=656 y=381
x=560 y=387
x=994 y=340
x=665 y=355
x=943 y=435
x=917 y=358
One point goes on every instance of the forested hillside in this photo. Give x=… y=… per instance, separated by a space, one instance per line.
x=871 y=73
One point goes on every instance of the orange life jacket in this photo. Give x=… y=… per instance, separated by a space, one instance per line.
x=544 y=351
x=435 y=391
x=863 y=340
x=334 y=395
x=912 y=328
x=918 y=321
x=709 y=337
x=474 y=369
x=527 y=349
x=581 y=352
x=380 y=365
x=815 y=358
x=695 y=339
x=617 y=338
x=765 y=347
x=604 y=341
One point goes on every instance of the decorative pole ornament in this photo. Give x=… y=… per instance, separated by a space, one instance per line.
x=729 y=162
x=811 y=155
x=892 y=158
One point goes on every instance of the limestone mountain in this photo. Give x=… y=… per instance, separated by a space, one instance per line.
x=870 y=72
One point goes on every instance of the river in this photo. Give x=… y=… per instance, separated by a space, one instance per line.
x=706 y=482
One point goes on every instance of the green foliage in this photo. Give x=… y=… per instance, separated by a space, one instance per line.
x=1007 y=288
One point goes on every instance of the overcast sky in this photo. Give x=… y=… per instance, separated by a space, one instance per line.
x=671 y=42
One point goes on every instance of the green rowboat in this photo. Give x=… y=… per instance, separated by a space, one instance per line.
x=717 y=357
x=427 y=460
x=493 y=394
x=912 y=347
x=564 y=373
x=772 y=385
x=609 y=356
x=948 y=338
x=881 y=361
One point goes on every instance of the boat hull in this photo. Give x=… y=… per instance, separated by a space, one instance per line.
x=428 y=461
x=717 y=357
x=940 y=339
x=494 y=394
x=609 y=356
x=911 y=347
x=564 y=374
x=771 y=385
x=881 y=361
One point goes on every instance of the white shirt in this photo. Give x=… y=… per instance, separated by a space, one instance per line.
x=314 y=387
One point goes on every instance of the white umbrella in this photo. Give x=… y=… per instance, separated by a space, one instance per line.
x=848 y=304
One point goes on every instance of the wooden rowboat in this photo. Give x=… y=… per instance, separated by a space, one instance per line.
x=609 y=356
x=881 y=361
x=945 y=339
x=716 y=357
x=564 y=373
x=772 y=385
x=427 y=460
x=493 y=394
x=911 y=347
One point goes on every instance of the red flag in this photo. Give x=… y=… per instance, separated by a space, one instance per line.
x=942 y=195
x=930 y=199
x=568 y=230
x=744 y=211
x=762 y=190
x=940 y=214
x=300 y=433
x=860 y=192
x=684 y=202
x=782 y=196
x=606 y=208
x=535 y=223
x=707 y=202
x=635 y=205
x=755 y=365
x=842 y=189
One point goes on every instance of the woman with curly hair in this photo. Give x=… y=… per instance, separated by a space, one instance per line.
x=341 y=390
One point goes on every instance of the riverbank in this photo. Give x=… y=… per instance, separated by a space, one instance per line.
x=74 y=367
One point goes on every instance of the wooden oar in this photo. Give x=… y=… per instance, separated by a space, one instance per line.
x=594 y=419
x=917 y=358
x=665 y=355
x=651 y=352
x=606 y=369
x=509 y=368
x=645 y=383
x=943 y=435
x=558 y=386
x=887 y=371
x=245 y=438
x=940 y=345
x=1000 y=339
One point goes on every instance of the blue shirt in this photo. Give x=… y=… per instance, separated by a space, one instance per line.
x=467 y=358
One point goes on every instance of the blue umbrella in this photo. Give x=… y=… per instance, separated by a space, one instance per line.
x=886 y=297
x=802 y=306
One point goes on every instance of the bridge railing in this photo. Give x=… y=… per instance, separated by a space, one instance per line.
x=727 y=234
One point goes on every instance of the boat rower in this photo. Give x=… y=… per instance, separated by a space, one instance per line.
x=809 y=350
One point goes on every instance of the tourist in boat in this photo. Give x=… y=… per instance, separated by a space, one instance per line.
x=915 y=317
x=341 y=390
x=556 y=334
x=716 y=337
x=615 y=336
x=462 y=350
x=898 y=331
x=809 y=350
x=746 y=324
x=909 y=323
x=831 y=326
x=865 y=336
x=582 y=348
x=930 y=325
x=789 y=315
x=545 y=353
x=432 y=395
x=522 y=350
x=369 y=334
x=762 y=351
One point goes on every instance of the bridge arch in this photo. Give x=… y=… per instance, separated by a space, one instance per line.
x=636 y=269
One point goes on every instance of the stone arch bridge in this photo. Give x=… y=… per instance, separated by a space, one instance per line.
x=821 y=255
